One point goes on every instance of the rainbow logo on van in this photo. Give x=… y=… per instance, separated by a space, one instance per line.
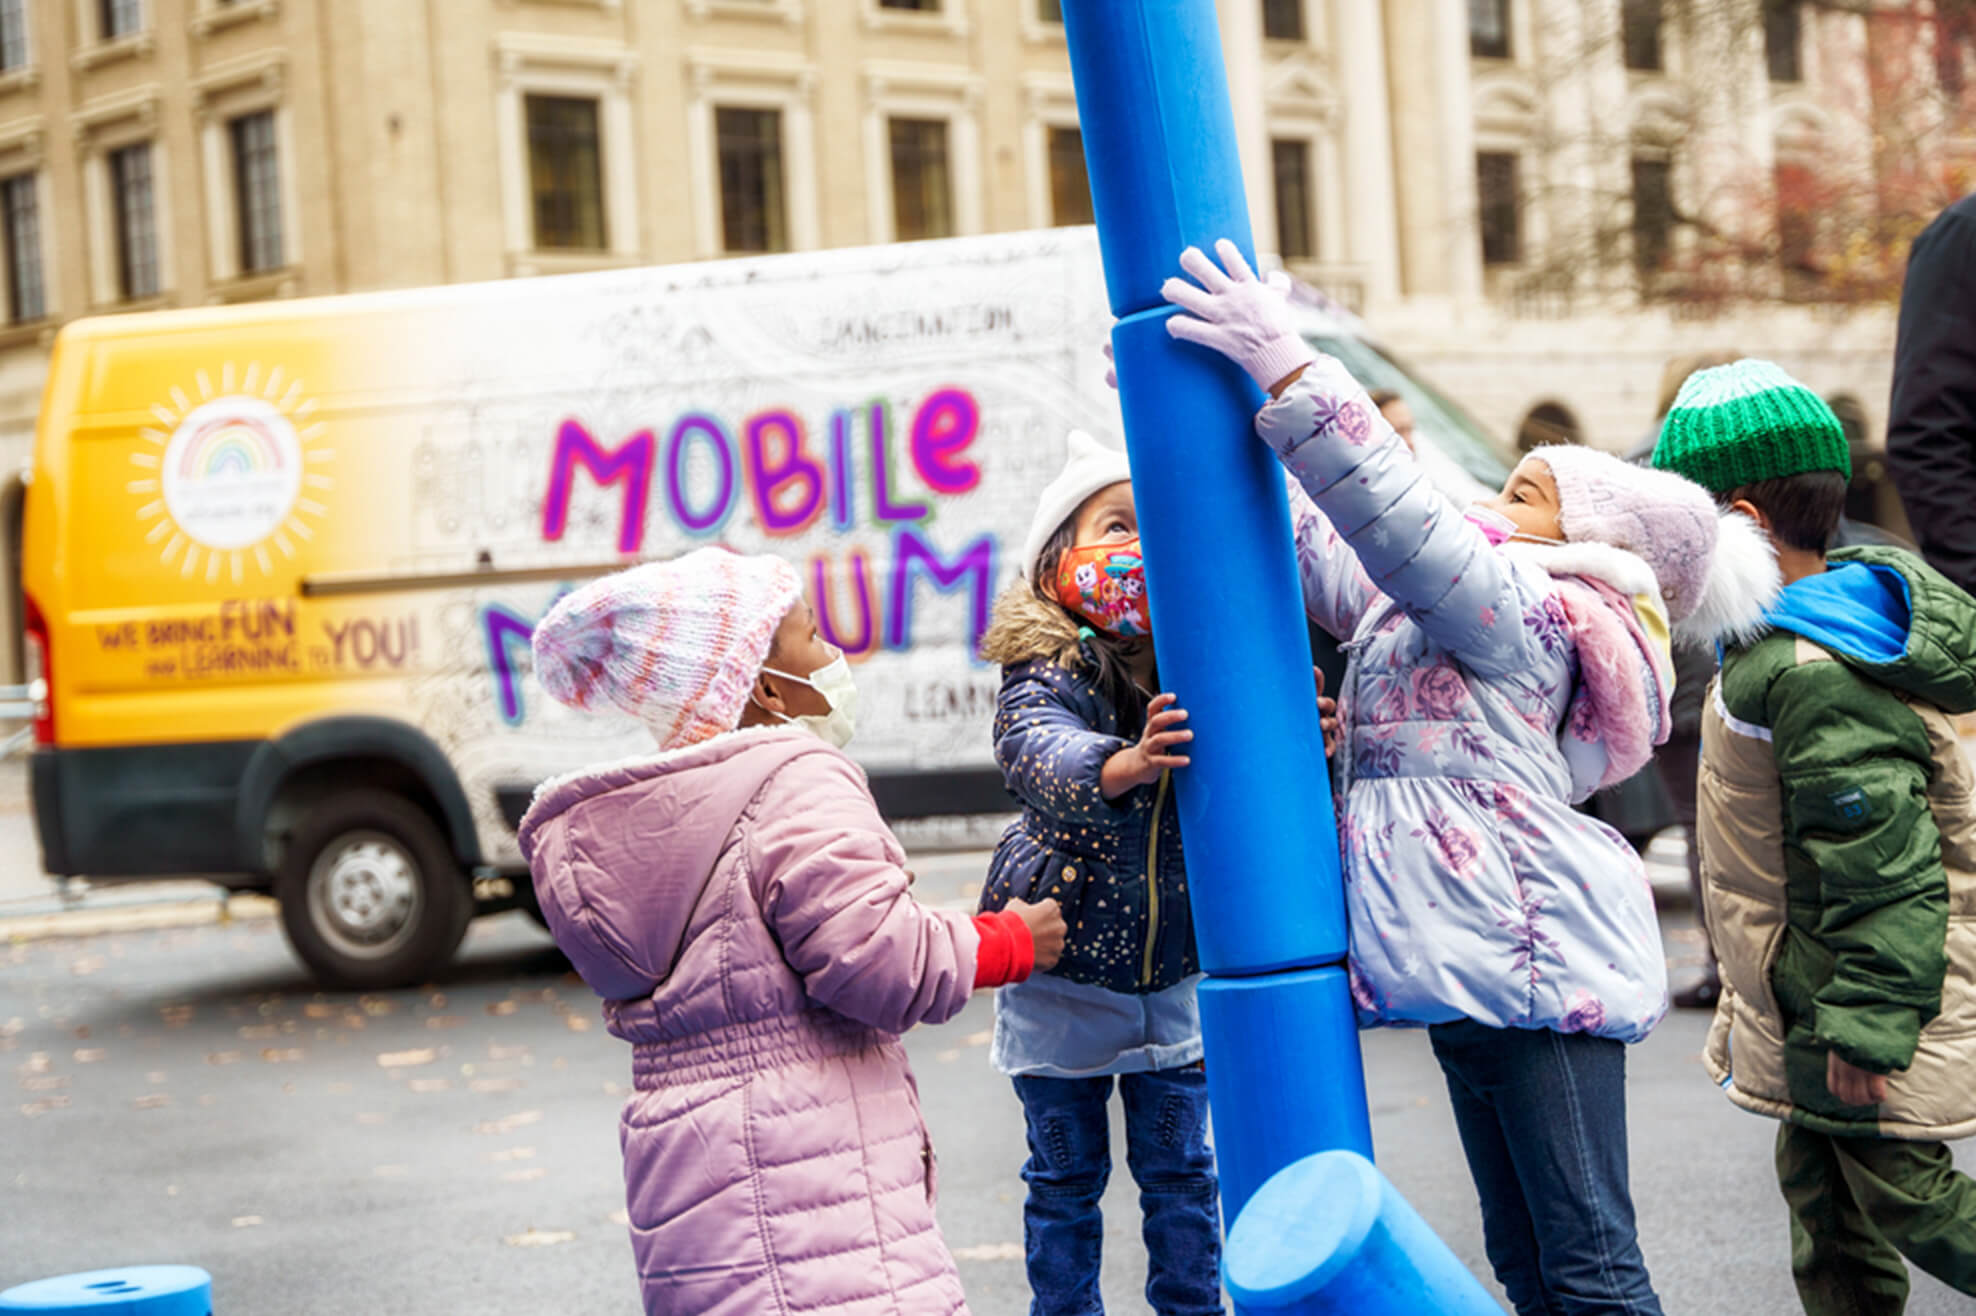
x=231 y=445
x=239 y=475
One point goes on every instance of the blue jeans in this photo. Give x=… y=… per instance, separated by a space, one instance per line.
x=1543 y=1119
x=1166 y=1121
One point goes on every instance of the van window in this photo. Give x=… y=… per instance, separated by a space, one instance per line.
x=1436 y=418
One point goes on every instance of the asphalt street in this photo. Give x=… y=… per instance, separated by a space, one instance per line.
x=184 y=1095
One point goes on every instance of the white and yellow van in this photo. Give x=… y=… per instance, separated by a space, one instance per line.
x=281 y=560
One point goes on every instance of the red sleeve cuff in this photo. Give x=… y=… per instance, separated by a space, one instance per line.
x=1007 y=953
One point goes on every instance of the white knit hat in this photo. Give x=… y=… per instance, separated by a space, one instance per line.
x=1091 y=467
x=675 y=644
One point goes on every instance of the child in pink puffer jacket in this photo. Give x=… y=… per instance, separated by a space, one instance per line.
x=744 y=912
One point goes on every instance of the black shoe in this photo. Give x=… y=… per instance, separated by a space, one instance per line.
x=1702 y=996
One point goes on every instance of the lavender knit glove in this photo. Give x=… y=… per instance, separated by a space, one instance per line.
x=1246 y=321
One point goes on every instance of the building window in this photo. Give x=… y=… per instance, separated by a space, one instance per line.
x=1488 y=28
x=133 y=201
x=1502 y=218
x=1653 y=214
x=257 y=192
x=20 y=216
x=1640 y=20
x=118 y=18
x=917 y=6
x=565 y=173
x=1798 y=195
x=1548 y=423
x=1283 y=20
x=1049 y=11
x=1295 y=237
x=922 y=181
x=13 y=35
x=753 y=208
x=1783 y=23
x=1070 y=186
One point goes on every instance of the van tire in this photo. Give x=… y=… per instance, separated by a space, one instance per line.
x=371 y=895
x=530 y=903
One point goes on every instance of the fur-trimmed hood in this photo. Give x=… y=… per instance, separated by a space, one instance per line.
x=1743 y=581
x=1026 y=628
x=1618 y=623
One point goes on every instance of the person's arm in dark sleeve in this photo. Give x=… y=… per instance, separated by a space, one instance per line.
x=1931 y=423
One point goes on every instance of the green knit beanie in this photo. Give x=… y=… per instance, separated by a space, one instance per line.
x=1748 y=422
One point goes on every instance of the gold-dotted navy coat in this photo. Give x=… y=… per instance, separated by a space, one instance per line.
x=1115 y=865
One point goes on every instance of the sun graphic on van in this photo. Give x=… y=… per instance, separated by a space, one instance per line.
x=229 y=476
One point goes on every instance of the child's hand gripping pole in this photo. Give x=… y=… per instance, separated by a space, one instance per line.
x=1141 y=764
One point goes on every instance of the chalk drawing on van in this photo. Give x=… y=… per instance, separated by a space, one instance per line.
x=234 y=475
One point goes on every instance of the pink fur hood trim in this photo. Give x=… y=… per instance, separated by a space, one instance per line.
x=1605 y=592
x=1612 y=648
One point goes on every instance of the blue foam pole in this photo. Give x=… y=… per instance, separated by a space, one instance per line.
x=1255 y=803
x=1331 y=1236
x=1255 y=807
x=1296 y=1089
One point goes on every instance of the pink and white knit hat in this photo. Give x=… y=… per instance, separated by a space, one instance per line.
x=676 y=644
x=1668 y=522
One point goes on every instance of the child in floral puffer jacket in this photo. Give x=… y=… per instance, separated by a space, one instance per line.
x=1504 y=663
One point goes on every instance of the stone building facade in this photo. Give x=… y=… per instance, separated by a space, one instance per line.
x=1432 y=164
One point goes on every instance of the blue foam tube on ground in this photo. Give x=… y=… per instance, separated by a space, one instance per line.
x=127 y=1291
x=1296 y=1089
x=1331 y=1236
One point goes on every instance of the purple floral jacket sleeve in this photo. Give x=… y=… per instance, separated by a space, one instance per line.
x=1414 y=545
x=1337 y=591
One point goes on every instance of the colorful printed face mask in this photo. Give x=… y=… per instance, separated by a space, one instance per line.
x=1106 y=585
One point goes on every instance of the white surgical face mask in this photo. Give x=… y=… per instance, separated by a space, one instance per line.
x=1498 y=529
x=839 y=689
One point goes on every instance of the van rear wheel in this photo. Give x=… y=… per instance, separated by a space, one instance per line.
x=370 y=894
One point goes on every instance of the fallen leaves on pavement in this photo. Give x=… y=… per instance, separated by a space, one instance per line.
x=509 y=1123
x=540 y=1238
x=406 y=1059
x=990 y=1252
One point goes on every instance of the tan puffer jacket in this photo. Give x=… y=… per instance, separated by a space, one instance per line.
x=1838 y=832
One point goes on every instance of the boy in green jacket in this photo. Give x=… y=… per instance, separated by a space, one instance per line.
x=1837 y=821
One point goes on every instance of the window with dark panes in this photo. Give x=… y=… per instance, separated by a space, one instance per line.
x=566 y=173
x=1050 y=11
x=922 y=182
x=118 y=18
x=1070 y=185
x=133 y=198
x=1640 y=24
x=1283 y=20
x=921 y=6
x=1797 y=223
x=14 y=53
x=257 y=192
x=1653 y=213
x=20 y=218
x=1502 y=211
x=753 y=208
x=1783 y=35
x=1488 y=28
x=1296 y=238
